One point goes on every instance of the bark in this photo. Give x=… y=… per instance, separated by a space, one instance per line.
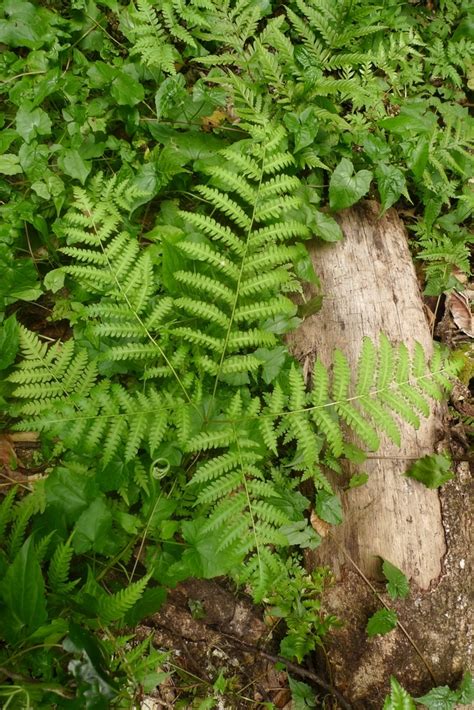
x=370 y=286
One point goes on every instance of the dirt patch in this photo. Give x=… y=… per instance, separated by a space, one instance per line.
x=438 y=620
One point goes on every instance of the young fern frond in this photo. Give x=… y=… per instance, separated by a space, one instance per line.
x=113 y=607
x=58 y=571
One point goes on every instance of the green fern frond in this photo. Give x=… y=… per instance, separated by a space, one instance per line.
x=6 y=510
x=58 y=571
x=113 y=607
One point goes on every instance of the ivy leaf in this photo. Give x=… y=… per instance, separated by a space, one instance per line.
x=22 y=588
x=397 y=583
x=345 y=187
x=326 y=228
x=328 y=507
x=10 y=164
x=433 y=471
x=30 y=123
x=26 y=25
x=399 y=699
x=391 y=184
x=381 y=622
x=73 y=165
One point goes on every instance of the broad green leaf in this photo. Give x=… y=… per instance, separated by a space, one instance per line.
x=25 y=26
x=391 y=184
x=22 y=589
x=203 y=558
x=347 y=188
x=325 y=227
x=412 y=120
x=93 y=527
x=149 y=603
x=328 y=507
x=398 y=699
x=125 y=88
x=272 y=361
x=441 y=698
x=32 y=122
x=10 y=164
x=54 y=280
x=302 y=695
x=70 y=492
x=433 y=471
x=74 y=166
x=381 y=622
x=301 y=534
x=171 y=91
x=397 y=583
x=8 y=341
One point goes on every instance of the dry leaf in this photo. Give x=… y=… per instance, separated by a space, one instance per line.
x=321 y=526
x=7 y=453
x=460 y=308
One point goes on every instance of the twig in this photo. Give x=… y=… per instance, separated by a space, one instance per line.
x=295 y=669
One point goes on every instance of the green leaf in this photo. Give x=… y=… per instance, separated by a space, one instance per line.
x=442 y=698
x=272 y=361
x=30 y=123
x=10 y=164
x=8 y=342
x=397 y=583
x=126 y=89
x=466 y=689
x=26 y=25
x=328 y=507
x=301 y=534
x=358 y=479
x=302 y=695
x=74 y=166
x=203 y=558
x=93 y=527
x=326 y=227
x=310 y=307
x=391 y=184
x=399 y=699
x=433 y=471
x=345 y=187
x=381 y=622
x=54 y=280
x=22 y=589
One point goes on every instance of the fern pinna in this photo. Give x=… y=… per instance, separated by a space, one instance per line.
x=197 y=316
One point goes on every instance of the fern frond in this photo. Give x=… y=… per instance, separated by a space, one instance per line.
x=58 y=571
x=113 y=607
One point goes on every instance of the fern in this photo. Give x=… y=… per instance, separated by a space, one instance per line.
x=58 y=571
x=113 y=607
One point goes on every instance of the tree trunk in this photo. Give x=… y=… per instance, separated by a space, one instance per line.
x=370 y=286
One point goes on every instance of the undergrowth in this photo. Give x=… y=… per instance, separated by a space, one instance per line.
x=162 y=165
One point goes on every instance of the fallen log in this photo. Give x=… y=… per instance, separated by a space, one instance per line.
x=370 y=286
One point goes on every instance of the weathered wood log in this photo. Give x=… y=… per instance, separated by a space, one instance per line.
x=370 y=286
